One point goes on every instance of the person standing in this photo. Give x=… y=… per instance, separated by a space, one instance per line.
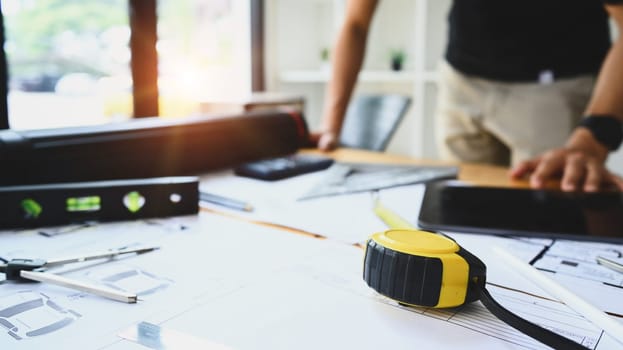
x=533 y=84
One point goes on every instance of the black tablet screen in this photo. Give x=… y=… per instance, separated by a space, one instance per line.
x=542 y=213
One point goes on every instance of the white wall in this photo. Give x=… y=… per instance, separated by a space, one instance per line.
x=298 y=30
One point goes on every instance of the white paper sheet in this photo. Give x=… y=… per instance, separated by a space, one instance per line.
x=320 y=301
x=347 y=218
x=251 y=286
x=211 y=257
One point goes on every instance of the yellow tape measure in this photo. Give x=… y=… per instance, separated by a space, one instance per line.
x=421 y=268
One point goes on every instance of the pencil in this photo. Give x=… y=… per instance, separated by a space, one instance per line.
x=81 y=286
x=584 y=308
x=224 y=201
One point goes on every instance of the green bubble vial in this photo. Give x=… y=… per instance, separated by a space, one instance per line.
x=134 y=201
x=31 y=208
x=83 y=204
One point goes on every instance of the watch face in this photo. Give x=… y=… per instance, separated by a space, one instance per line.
x=459 y=207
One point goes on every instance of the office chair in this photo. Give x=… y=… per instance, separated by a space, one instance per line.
x=371 y=121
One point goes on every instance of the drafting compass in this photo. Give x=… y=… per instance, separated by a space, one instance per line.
x=36 y=270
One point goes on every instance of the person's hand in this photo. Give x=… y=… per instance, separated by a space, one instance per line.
x=325 y=141
x=580 y=170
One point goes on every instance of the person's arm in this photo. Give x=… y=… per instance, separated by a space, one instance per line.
x=347 y=58
x=582 y=160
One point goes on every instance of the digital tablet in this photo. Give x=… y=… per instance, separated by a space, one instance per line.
x=459 y=207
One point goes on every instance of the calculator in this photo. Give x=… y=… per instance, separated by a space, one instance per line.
x=283 y=167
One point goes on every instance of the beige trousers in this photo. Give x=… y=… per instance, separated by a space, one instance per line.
x=479 y=120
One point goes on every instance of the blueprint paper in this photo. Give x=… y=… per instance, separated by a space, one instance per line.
x=248 y=286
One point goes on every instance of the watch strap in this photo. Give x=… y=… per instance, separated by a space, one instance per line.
x=606 y=129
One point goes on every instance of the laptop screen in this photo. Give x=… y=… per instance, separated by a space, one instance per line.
x=453 y=206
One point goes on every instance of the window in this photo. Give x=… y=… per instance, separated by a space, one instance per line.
x=204 y=53
x=69 y=62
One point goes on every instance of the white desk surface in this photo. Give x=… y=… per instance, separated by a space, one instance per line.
x=223 y=282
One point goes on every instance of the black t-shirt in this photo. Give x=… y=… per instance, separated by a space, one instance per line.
x=518 y=40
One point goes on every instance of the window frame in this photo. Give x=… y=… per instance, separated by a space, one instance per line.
x=4 y=80
x=143 y=57
x=258 y=79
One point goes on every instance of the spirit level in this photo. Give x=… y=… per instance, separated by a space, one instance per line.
x=65 y=203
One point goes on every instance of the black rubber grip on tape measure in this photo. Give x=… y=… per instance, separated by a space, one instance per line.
x=403 y=277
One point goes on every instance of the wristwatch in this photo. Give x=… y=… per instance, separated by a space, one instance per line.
x=606 y=129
